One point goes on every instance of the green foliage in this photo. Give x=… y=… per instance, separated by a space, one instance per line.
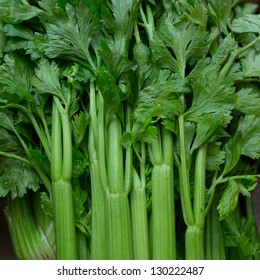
x=229 y=199
x=14 y=11
x=246 y=23
x=17 y=178
x=71 y=35
x=47 y=79
x=15 y=79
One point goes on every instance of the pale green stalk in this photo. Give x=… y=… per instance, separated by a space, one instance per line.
x=184 y=176
x=118 y=213
x=139 y=219
x=98 y=221
x=194 y=237
x=29 y=240
x=163 y=216
x=214 y=240
x=62 y=197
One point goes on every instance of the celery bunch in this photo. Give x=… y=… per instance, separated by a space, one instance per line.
x=130 y=129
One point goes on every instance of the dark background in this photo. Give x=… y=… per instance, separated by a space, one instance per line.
x=6 y=252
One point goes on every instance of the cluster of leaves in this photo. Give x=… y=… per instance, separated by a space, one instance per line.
x=196 y=61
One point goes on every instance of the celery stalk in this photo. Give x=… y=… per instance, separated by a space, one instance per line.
x=214 y=240
x=118 y=212
x=98 y=221
x=119 y=235
x=29 y=240
x=61 y=169
x=163 y=217
x=194 y=237
x=139 y=220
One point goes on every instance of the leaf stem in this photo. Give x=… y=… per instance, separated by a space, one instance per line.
x=41 y=135
x=199 y=186
x=115 y=156
x=13 y=156
x=234 y=55
x=184 y=176
x=194 y=237
x=101 y=151
x=128 y=176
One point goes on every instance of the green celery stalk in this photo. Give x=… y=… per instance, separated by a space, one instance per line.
x=98 y=221
x=163 y=216
x=119 y=234
x=62 y=196
x=214 y=240
x=194 y=237
x=44 y=221
x=110 y=185
x=29 y=240
x=139 y=219
x=184 y=176
x=118 y=212
x=194 y=214
x=82 y=245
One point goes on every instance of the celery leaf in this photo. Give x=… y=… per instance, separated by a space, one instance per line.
x=247 y=23
x=215 y=156
x=15 y=79
x=185 y=39
x=79 y=127
x=248 y=101
x=229 y=199
x=47 y=78
x=251 y=65
x=71 y=36
x=13 y=11
x=249 y=127
x=17 y=178
x=2 y=40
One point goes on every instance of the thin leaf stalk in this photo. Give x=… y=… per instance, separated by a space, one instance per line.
x=42 y=136
x=234 y=55
x=200 y=186
x=115 y=156
x=128 y=172
x=148 y=21
x=13 y=156
x=101 y=145
x=184 y=176
x=67 y=148
x=56 y=151
x=197 y=231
